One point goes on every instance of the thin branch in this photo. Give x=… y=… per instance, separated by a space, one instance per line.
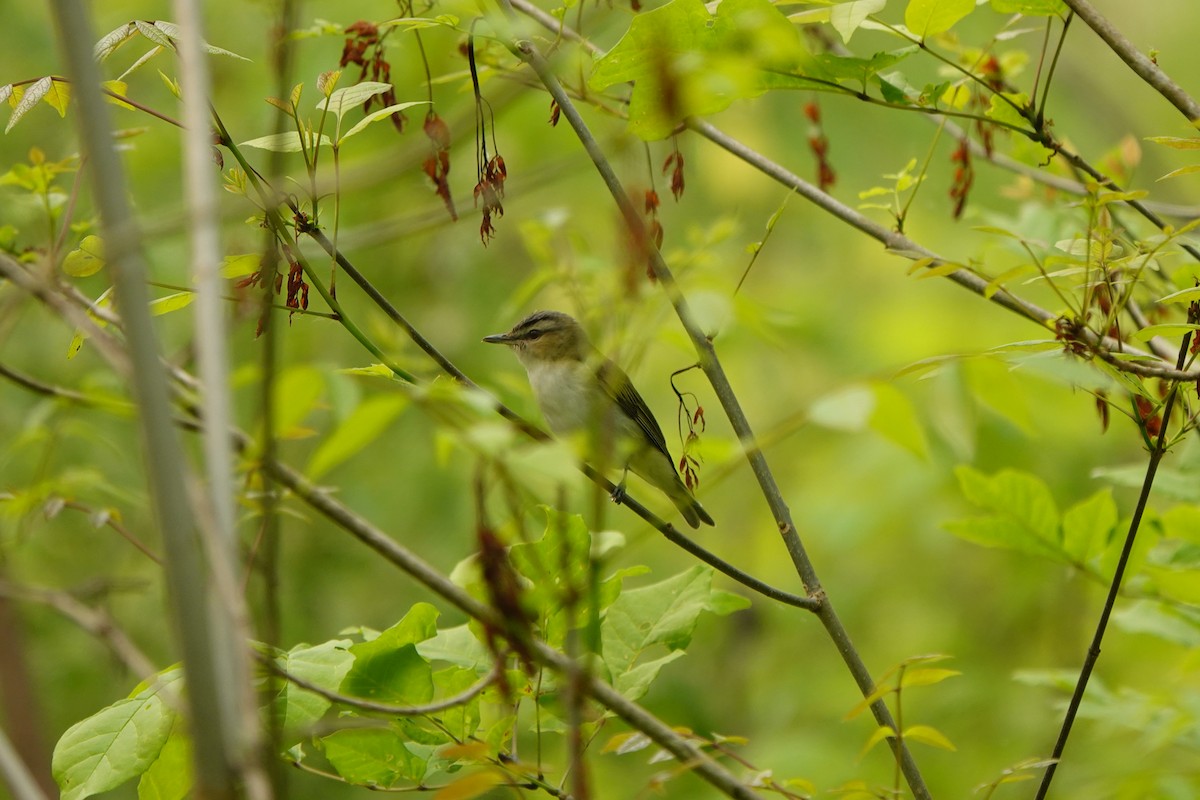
x=400 y=556
x=1093 y=652
x=93 y=621
x=434 y=707
x=214 y=710
x=1141 y=65
x=529 y=429
x=410 y=563
x=733 y=410
x=20 y=782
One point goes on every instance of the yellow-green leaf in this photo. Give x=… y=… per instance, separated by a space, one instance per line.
x=87 y=259
x=1166 y=329
x=358 y=430
x=927 y=735
x=925 y=18
x=927 y=676
x=172 y=302
x=880 y=733
x=58 y=96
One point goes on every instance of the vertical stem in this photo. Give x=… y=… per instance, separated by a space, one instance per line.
x=241 y=731
x=214 y=754
x=1093 y=652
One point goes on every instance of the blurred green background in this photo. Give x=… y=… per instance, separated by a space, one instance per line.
x=824 y=312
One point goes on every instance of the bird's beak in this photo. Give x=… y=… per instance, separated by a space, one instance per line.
x=498 y=338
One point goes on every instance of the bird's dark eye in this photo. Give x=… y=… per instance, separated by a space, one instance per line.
x=534 y=334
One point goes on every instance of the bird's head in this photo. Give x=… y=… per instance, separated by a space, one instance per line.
x=543 y=337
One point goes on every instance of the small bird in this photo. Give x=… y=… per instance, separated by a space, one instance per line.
x=580 y=391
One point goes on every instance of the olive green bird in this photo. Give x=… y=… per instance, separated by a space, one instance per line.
x=580 y=391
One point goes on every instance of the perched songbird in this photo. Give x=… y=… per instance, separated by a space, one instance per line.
x=581 y=392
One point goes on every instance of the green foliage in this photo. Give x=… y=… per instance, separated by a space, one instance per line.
x=142 y=736
x=706 y=61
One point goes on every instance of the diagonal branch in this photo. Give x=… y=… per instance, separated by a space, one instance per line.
x=1141 y=65
x=409 y=562
x=711 y=365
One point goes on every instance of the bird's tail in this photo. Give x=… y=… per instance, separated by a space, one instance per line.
x=693 y=512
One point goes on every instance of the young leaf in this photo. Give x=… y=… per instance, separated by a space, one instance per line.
x=930 y=736
x=170 y=777
x=1031 y=8
x=846 y=17
x=476 y=784
x=880 y=734
x=289 y=142
x=119 y=742
x=109 y=43
x=926 y=676
x=1087 y=525
x=358 y=430
x=925 y=18
x=32 y=96
x=172 y=302
x=58 y=97
x=375 y=116
x=87 y=259
x=351 y=97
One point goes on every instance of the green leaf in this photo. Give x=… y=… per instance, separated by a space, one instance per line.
x=289 y=142
x=1088 y=525
x=927 y=676
x=87 y=259
x=456 y=646
x=557 y=563
x=880 y=734
x=325 y=665
x=846 y=17
x=1002 y=110
x=364 y=425
x=418 y=23
x=848 y=409
x=344 y=100
x=172 y=302
x=58 y=97
x=925 y=18
x=375 y=116
x=389 y=668
x=663 y=613
x=1031 y=8
x=152 y=32
x=1170 y=329
x=461 y=720
x=372 y=757
x=119 y=742
x=685 y=61
x=296 y=393
x=1182 y=296
x=239 y=266
x=927 y=735
x=1175 y=142
x=172 y=30
x=109 y=43
x=170 y=777
x=1023 y=513
x=895 y=418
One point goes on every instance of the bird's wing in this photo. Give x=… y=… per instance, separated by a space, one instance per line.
x=616 y=384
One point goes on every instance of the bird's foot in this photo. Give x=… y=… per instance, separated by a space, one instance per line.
x=618 y=493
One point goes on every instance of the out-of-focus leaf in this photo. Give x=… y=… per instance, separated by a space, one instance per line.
x=87 y=259
x=289 y=142
x=1088 y=525
x=358 y=430
x=372 y=757
x=925 y=18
